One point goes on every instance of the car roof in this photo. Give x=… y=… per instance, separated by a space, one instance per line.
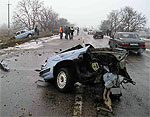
x=21 y=30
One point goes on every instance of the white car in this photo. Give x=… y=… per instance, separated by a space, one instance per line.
x=24 y=34
x=90 y=32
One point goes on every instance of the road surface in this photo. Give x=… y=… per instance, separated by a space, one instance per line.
x=21 y=96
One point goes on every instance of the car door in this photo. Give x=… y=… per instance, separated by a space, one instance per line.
x=17 y=35
x=23 y=34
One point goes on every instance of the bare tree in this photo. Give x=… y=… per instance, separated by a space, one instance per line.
x=126 y=19
x=132 y=20
x=32 y=12
x=63 y=22
x=105 y=25
x=115 y=21
x=27 y=13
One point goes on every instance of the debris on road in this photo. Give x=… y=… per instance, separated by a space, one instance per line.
x=42 y=83
x=107 y=100
x=30 y=114
x=37 y=70
x=4 y=66
x=77 y=109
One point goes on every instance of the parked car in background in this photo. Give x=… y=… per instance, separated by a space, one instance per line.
x=85 y=29
x=129 y=41
x=90 y=32
x=24 y=34
x=98 y=35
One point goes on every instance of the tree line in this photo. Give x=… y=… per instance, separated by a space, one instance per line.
x=124 y=20
x=30 y=13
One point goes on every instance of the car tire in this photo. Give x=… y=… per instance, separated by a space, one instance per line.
x=64 y=80
x=29 y=36
x=139 y=53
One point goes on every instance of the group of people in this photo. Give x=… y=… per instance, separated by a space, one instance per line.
x=69 y=32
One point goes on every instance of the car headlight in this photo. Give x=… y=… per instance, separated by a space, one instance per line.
x=44 y=64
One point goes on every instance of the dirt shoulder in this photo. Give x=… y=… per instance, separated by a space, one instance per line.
x=6 y=42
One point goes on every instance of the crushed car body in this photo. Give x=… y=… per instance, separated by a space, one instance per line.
x=86 y=65
x=102 y=67
x=4 y=66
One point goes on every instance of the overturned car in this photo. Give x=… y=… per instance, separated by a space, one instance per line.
x=87 y=65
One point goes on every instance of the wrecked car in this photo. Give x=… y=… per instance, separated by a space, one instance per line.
x=86 y=65
x=89 y=66
x=23 y=34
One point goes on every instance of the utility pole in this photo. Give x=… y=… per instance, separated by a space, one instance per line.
x=8 y=18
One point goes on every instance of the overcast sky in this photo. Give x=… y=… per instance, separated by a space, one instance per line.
x=83 y=12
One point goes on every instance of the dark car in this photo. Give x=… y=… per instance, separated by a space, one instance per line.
x=129 y=41
x=98 y=35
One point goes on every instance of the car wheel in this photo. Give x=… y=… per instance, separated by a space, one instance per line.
x=29 y=36
x=139 y=53
x=64 y=80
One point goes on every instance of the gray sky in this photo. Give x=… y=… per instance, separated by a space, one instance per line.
x=84 y=12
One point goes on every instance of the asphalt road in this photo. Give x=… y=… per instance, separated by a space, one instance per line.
x=21 y=96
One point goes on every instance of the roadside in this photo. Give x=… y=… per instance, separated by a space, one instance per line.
x=20 y=95
x=6 y=42
x=31 y=44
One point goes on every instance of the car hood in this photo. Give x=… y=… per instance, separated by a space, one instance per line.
x=69 y=55
x=131 y=40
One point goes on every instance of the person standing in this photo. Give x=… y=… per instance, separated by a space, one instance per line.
x=78 y=31
x=61 y=32
x=66 y=32
x=71 y=32
x=36 y=32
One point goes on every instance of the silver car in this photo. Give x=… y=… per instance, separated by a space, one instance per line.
x=24 y=34
x=86 y=65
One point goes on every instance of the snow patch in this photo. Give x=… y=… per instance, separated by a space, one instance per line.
x=148 y=50
x=33 y=44
x=30 y=45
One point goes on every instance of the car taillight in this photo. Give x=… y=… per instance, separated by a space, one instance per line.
x=142 y=44
x=124 y=43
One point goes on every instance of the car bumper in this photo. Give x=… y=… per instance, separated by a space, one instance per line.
x=42 y=72
x=98 y=37
x=46 y=74
x=137 y=49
